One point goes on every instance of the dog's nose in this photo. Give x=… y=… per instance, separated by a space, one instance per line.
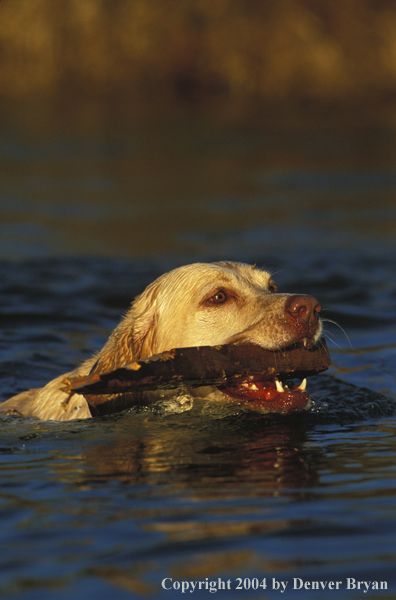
x=304 y=309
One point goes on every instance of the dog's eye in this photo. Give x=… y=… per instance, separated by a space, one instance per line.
x=272 y=287
x=219 y=298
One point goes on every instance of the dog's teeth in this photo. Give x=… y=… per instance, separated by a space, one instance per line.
x=279 y=386
x=303 y=385
x=305 y=341
x=250 y=386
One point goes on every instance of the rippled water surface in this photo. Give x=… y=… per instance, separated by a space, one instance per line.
x=112 y=507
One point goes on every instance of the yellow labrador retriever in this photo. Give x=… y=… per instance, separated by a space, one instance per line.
x=195 y=305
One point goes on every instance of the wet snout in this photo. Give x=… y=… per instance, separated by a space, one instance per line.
x=302 y=313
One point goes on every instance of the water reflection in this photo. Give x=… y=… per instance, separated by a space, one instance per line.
x=208 y=458
x=196 y=496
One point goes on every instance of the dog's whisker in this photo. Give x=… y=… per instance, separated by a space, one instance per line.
x=329 y=337
x=326 y=320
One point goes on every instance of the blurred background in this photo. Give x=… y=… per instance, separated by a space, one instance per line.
x=196 y=128
x=138 y=135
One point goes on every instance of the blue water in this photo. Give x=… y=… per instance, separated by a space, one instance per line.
x=113 y=507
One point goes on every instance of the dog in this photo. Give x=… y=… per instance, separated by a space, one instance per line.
x=202 y=304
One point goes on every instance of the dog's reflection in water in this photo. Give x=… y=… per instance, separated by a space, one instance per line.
x=219 y=472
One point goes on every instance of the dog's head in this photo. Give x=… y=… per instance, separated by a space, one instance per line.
x=210 y=304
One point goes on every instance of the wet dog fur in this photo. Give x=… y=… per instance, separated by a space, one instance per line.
x=195 y=305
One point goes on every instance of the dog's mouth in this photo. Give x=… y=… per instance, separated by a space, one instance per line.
x=269 y=395
x=275 y=394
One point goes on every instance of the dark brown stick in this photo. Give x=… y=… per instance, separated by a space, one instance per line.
x=206 y=365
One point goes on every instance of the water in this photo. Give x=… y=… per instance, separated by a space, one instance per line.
x=110 y=508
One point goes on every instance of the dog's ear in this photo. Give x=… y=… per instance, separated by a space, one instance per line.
x=143 y=331
x=134 y=338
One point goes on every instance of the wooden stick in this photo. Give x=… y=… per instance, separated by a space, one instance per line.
x=192 y=367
